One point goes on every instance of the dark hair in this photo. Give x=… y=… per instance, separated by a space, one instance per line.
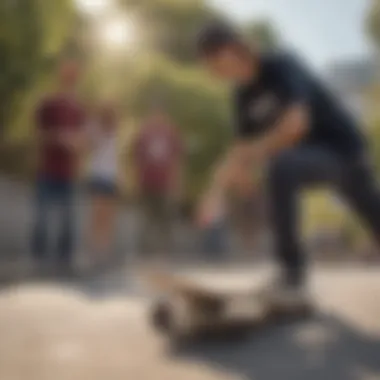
x=213 y=37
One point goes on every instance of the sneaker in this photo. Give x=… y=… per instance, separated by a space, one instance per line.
x=280 y=294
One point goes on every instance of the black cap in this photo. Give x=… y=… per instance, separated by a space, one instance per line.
x=215 y=36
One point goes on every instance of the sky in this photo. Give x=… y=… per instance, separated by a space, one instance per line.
x=322 y=31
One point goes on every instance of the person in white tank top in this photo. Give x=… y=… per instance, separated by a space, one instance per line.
x=104 y=157
x=103 y=185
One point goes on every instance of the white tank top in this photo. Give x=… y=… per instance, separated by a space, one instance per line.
x=104 y=157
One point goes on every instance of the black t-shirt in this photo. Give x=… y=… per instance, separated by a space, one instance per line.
x=283 y=82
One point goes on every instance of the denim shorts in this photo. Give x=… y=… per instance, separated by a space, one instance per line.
x=101 y=186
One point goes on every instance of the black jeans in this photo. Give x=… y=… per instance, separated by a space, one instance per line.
x=299 y=168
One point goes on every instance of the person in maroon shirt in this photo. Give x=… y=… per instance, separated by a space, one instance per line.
x=158 y=154
x=60 y=119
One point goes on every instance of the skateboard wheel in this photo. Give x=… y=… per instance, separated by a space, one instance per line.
x=161 y=316
x=174 y=318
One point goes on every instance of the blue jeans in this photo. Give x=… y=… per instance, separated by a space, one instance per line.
x=54 y=195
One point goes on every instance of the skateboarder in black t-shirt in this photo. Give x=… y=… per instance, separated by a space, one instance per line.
x=289 y=123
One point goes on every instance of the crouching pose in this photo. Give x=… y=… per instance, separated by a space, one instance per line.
x=289 y=123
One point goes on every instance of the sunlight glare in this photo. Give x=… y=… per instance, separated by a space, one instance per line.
x=93 y=7
x=118 y=33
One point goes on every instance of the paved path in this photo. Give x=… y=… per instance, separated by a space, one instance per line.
x=50 y=332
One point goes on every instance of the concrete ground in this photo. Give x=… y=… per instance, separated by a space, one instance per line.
x=66 y=333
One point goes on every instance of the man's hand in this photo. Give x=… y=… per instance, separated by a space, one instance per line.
x=237 y=163
x=210 y=209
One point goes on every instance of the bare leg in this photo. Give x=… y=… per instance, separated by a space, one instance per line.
x=103 y=212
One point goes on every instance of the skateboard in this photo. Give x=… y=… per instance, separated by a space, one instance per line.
x=185 y=311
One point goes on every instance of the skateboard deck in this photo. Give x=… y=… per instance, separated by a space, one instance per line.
x=177 y=286
x=187 y=311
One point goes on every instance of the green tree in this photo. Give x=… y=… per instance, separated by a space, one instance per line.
x=373 y=24
x=261 y=33
x=165 y=65
x=198 y=106
x=170 y=26
x=32 y=34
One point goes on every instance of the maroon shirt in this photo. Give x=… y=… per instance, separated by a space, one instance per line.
x=157 y=152
x=56 y=115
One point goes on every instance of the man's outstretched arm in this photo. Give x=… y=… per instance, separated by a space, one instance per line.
x=288 y=130
x=243 y=155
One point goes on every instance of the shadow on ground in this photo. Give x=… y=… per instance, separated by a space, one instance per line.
x=325 y=348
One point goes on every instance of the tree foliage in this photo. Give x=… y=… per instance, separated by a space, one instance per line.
x=373 y=22
x=261 y=33
x=32 y=34
x=170 y=26
x=35 y=32
x=198 y=106
x=166 y=67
